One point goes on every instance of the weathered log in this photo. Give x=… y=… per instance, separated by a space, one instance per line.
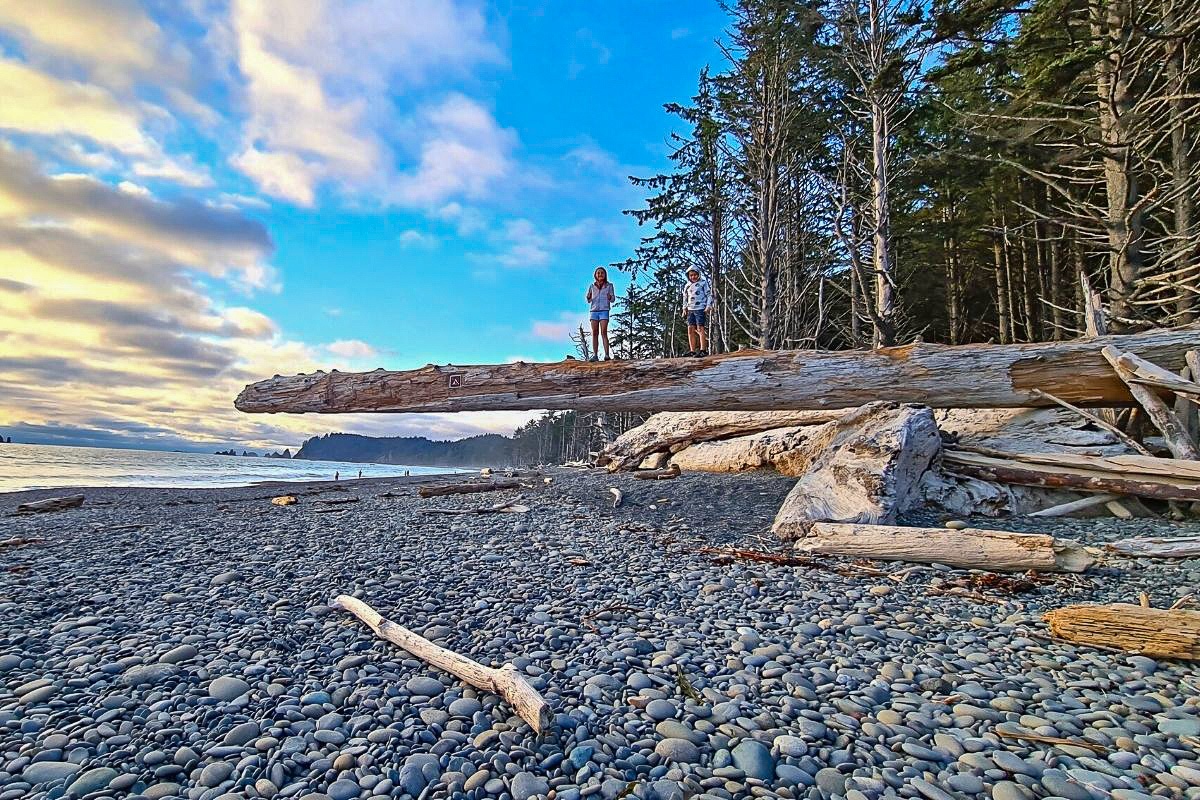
x=511 y=507
x=675 y=431
x=1158 y=547
x=965 y=376
x=507 y=682
x=1060 y=476
x=50 y=504
x=284 y=500
x=866 y=467
x=467 y=488
x=1075 y=506
x=1149 y=374
x=774 y=449
x=667 y=474
x=1156 y=409
x=969 y=548
x=1154 y=632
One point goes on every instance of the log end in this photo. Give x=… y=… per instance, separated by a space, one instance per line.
x=525 y=700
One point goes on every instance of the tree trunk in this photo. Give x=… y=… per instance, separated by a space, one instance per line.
x=969 y=548
x=1004 y=323
x=967 y=376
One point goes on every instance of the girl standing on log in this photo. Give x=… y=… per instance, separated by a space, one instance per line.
x=601 y=294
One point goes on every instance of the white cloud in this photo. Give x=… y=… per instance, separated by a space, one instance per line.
x=320 y=83
x=415 y=238
x=352 y=349
x=521 y=244
x=559 y=329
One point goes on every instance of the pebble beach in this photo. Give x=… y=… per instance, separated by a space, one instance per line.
x=165 y=643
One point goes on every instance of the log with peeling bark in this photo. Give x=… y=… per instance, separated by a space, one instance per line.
x=506 y=681
x=1158 y=547
x=965 y=376
x=866 y=467
x=1154 y=632
x=467 y=488
x=968 y=548
x=667 y=474
x=1167 y=422
x=1122 y=475
x=675 y=431
x=50 y=504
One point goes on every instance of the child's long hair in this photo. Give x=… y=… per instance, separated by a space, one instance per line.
x=600 y=275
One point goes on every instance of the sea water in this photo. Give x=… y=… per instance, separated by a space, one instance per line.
x=33 y=466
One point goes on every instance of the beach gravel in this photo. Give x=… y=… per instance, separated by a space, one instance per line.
x=181 y=644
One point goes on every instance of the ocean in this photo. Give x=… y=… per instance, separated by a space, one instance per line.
x=34 y=466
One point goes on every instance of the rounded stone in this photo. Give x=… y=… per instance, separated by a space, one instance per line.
x=660 y=709
x=175 y=655
x=227 y=688
x=680 y=750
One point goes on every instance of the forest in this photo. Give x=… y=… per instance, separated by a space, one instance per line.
x=865 y=173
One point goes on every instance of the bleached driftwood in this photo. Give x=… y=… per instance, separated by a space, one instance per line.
x=1163 y=417
x=467 y=488
x=773 y=449
x=667 y=474
x=284 y=500
x=1149 y=374
x=618 y=496
x=506 y=681
x=1024 y=430
x=1158 y=547
x=1158 y=478
x=511 y=507
x=975 y=376
x=1125 y=438
x=1154 y=632
x=963 y=495
x=674 y=431
x=866 y=467
x=969 y=548
x=1075 y=506
x=50 y=504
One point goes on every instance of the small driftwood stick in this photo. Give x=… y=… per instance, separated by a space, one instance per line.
x=337 y=501
x=969 y=548
x=1154 y=632
x=1066 y=509
x=1160 y=413
x=618 y=496
x=1097 y=421
x=50 y=504
x=667 y=474
x=467 y=488
x=1158 y=547
x=506 y=681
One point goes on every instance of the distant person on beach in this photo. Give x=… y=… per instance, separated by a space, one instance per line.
x=600 y=297
x=697 y=302
x=360 y=473
x=337 y=476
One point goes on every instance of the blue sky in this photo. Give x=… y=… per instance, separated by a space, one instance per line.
x=196 y=194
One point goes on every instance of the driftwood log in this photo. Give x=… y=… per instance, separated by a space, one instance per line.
x=511 y=507
x=50 y=504
x=506 y=681
x=969 y=548
x=1163 y=417
x=1154 y=632
x=467 y=488
x=667 y=474
x=1075 y=506
x=866 y=468
x=965 y=376
x=1158 y=547
x=774 y=449
x=674 y=431
x=1158 y=478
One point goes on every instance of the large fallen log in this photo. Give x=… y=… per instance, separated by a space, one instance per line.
x=866 y=467
x=1165 y=419
x=1154 y=632
x=1135 y=475
x=467 y=488
x=771 y=449
x=966 y=376
x=50 y=504
x=969 y=548
x=507 y=682
x=675 y=431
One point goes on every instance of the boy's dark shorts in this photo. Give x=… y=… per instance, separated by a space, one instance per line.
x=698 y=319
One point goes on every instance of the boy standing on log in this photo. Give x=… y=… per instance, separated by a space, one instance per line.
x=697 y=300
x=600 y=297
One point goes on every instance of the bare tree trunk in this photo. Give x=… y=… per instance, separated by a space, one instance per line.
x=885 y=302
x=1002 y=307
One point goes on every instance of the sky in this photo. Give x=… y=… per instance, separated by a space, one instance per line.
x=198 y=194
